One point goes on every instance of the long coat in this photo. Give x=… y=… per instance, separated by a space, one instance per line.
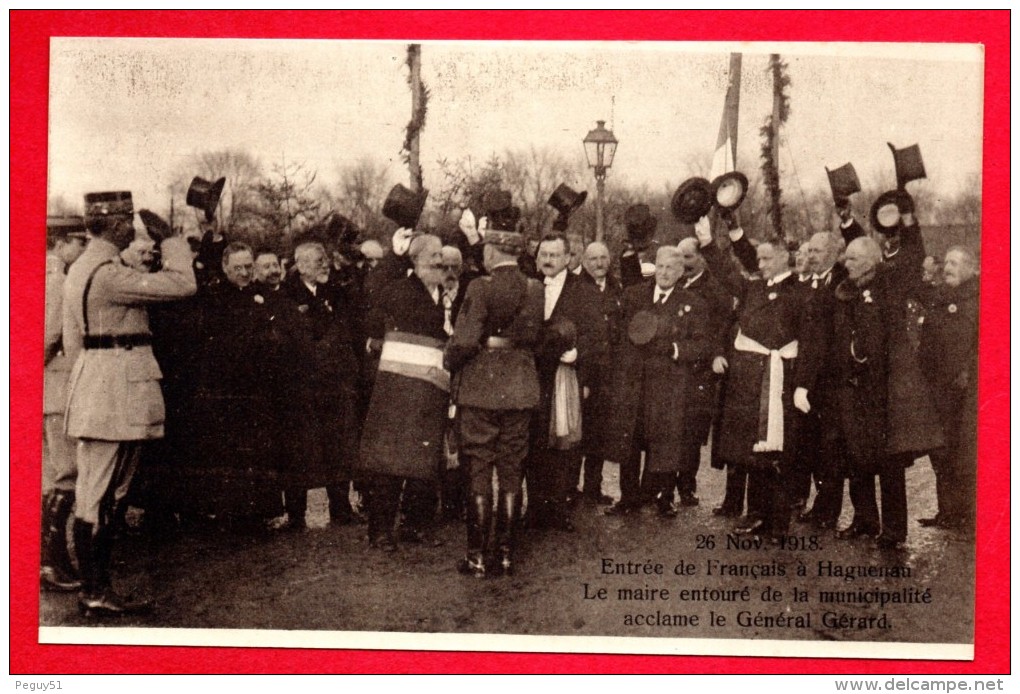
x=114 y=394
x=403 y=431
x=579 y=305
x=318 y=378
x=507 y=305
x=596 y=409
x=650 y=389
x=58 y=366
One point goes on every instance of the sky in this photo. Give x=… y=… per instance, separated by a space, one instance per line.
x=125 y=114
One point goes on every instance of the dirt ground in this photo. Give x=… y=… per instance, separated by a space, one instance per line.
x=328 y=578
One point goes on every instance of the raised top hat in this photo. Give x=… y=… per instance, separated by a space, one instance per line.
x=205 y=195
x=887 y=208
x=692 y=200
x=63 y=226
x=909 y=166
x=108 y=203
x=844 y=182
x=728 y=190
x=157 y=227
x=640 y=222
x=503 y=216
x=340 y=230
x=404 y=206
x=565 y=199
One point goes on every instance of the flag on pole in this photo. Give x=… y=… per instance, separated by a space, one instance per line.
x=725 y=157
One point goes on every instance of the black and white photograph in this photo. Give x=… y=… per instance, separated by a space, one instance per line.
x=524 y=346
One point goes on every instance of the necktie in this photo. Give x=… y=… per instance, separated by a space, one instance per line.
x=447 y=313
x=662 y=299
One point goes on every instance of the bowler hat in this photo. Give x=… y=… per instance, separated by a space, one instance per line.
x=844 y=182
x=565 y=199
x=205 y=195
x=728 y=190
x=340 y=230
x=108 y=204
x=909 y=166
x=156 y=226
x=503 y=216
x=887 y=208
x=404 y=205
x=640 y=222
x=692 y=200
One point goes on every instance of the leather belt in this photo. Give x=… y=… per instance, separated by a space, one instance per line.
x=117 y=341
x=499 y=343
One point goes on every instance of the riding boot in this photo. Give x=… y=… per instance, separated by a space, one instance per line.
x=479 y=519
x=57 y=571
x=99 y=598
x=506 y=530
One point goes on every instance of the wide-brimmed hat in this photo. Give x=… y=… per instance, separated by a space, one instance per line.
x=909 y=166
x=205 y=195
x=65 y=226
x=640 y=222
x=157 y=227
x=692 y=200
x=887 y=208
x=107 y=204
x=404 y=205
x=729 y=190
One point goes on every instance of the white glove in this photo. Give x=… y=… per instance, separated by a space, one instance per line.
x=469 y=226
x=735 y=234
x=483 y=226
x=402 y=240
x=800 y=400
x=703 y=230
x=570 y=356
x=719 y=365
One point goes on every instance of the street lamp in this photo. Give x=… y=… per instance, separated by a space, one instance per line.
x=599 y=148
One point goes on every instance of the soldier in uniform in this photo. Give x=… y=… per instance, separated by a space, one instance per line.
x=491 y=354
x=114 y=399
x=65 y=241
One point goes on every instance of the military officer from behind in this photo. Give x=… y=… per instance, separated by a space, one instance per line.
x=114 y=399
x=65 y=241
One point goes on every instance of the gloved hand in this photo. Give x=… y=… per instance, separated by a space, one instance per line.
x=483 y=226
x=402 y=240
x=703 y=231
x=800 y=400
x=719 y=365
x=570 y=356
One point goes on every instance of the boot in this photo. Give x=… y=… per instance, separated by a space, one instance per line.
x=57 y=571
x=479 y=518
x=98 y=599
x=380 y=531
x=506 y=530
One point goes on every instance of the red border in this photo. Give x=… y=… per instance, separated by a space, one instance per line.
x=29 y=46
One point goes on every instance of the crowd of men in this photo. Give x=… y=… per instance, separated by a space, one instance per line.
x=402 y=382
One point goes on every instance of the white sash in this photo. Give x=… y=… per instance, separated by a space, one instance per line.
x=772 y=388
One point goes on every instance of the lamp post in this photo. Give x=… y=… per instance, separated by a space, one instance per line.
x=600 y=148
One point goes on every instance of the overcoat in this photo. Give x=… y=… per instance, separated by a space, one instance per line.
x=114 y=394
x=596 y=407
x=650 y=393
x=403 y=430
x=58 y=366
x=318 y=377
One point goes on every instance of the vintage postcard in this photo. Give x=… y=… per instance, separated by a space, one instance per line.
x=292 y=493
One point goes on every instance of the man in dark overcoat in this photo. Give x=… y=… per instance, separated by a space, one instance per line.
x=318 y=378
x=573 y=335
x=491 y=354
x=668 y=331
x=948 y=356
x=402 y=440
x=596 y=405
x=766 y=380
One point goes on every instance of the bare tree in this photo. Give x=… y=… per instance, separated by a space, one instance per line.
x=239 y=202
x=359 y=195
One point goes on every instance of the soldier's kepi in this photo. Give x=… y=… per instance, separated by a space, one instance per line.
x=114 y=400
